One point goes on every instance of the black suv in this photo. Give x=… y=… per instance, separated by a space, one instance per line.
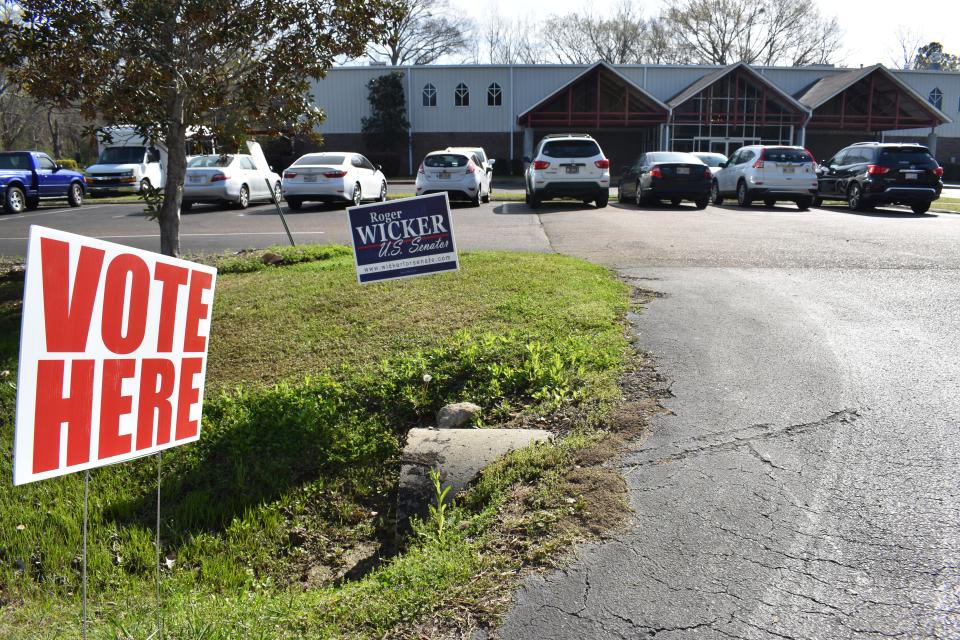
x=868 y=174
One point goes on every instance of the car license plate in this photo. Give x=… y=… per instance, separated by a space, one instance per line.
x=572 y=168
x=788 y=169
x=683 y=171
x=444 y=175
x=911 y=176
x=196 y=179
x=309 y=178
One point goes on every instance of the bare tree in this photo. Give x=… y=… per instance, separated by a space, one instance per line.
x=500 y=41
x=908 y=43
x=764 y=32
x=583 y=38
x=419 y=32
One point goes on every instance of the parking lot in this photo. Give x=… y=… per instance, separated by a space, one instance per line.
x=648 y=234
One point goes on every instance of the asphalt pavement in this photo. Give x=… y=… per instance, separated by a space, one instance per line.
x=806 y=480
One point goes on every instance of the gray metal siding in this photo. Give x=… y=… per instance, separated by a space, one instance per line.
x=343 y=93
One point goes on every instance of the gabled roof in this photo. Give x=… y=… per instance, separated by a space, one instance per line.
x=598 y=65
x=717 y=75
x=830 y=87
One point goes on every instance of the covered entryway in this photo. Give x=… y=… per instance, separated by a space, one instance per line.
x=625 y=120
x=861 y=105
x=733 y=107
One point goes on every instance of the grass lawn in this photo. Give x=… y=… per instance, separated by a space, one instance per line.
x=313 y=381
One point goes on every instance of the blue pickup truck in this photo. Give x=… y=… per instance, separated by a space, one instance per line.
x=27 y=177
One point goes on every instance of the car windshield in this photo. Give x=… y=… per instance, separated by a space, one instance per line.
x=905 y=155
x=15 y=161
x=122 y=155
x=446 y=160
x=781 y=154
x=711 y=159
x=210 y=161
x=685 y=158
x=571 y=149
x=320 y=158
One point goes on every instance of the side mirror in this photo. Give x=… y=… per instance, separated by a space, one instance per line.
x=491 y=162
x=57 y=167
x=723 y=165
x=379 y=167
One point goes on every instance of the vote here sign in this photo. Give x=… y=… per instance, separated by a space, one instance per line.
x=113 y=352
x=403 y=238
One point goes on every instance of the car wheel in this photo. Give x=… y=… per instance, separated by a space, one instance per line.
x=535 y=201
x=383 y=192
x=75 y=195
x=743 y=195
x=638 y=196
x=16 y=201
x=715 y=196
x=475 y=200
x=243 y=200
x=803 y=204
x=769 y=204
x=526 y=196
x=920 y=207
x=486 y=196
x=855 y=197
x=294 y=203
x=277 y=193
x=144 y=186
x=702 y=203
x=602 y=201
x=817 y=201
x=357 y=195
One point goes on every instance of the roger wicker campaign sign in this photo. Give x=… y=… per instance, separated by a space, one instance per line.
x=113 y=354
x=403 y=238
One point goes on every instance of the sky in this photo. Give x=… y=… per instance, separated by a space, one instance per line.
x=870 y=26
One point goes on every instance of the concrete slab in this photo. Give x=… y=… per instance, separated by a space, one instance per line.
x=459 y=454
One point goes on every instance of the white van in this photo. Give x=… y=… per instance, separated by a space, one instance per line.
x=128 y=163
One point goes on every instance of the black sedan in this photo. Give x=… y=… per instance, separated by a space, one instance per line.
x=666 y=175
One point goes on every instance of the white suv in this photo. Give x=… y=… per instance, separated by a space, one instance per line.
x=568 y=165
x=769 y=174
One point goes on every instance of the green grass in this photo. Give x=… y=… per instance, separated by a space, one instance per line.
x=313 y=381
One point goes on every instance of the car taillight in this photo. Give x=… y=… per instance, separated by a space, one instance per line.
x=707 y=173
x=759 y=163
x=656 y=173
x=420 y=170
x=876 y=170
x=812 y=159
x=334 y=174
x=219 y=177
x=289 y=174
x=938 y=172
x=540 y=165
x=602 y=164
x=471 y=167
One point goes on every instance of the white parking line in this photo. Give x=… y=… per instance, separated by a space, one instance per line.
x=200 y=235
x=20 y=216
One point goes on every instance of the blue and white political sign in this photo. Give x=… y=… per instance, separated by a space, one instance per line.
x=403 y=238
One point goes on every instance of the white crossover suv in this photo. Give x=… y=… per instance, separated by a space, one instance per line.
x=769 y=174
x=568 y=165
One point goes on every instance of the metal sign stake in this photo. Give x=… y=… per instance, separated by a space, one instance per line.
x=276 y=202
x=159 y=616
x=86 y=498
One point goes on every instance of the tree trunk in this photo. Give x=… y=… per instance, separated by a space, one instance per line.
x=169 y=217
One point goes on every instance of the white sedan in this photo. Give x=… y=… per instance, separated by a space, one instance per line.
x=333 y=177
x=231 y=178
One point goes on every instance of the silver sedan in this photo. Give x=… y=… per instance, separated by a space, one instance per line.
x=229 y=179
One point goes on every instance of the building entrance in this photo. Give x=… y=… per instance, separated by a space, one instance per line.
x=726 y=146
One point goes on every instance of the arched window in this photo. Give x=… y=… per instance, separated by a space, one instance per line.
x=494 y=95
x=429 y=96
x=461 y=96
x=936 y=98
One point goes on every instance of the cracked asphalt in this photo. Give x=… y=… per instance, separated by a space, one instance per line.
x=805 y=482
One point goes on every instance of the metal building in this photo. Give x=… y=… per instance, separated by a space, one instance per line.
x=635 y=108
